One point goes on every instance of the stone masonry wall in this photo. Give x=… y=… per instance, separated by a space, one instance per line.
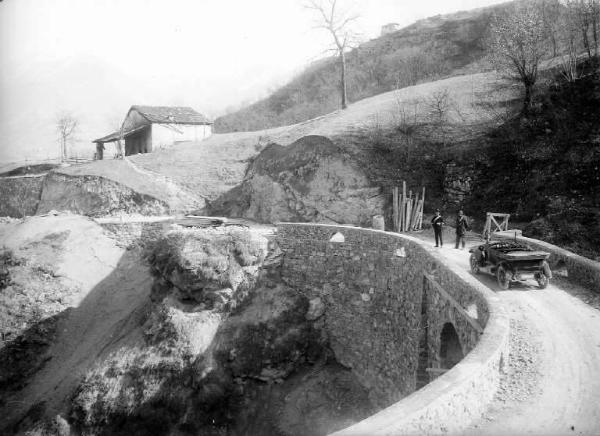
x=372 y=285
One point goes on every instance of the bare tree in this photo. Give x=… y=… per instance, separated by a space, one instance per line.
x=586 y=15
x=518 y=42
x=439 y=104
x=594 y=10
x=66 y=125
x=337 y=23
x=551 y=14
x=408 y=120
x=569 y=23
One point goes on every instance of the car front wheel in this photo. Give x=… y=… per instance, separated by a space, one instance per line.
x=474 y=264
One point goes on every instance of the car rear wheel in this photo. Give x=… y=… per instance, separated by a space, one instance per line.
x=503 y=277
x=474 y=264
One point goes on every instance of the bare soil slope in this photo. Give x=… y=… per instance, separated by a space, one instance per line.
x=107 y=289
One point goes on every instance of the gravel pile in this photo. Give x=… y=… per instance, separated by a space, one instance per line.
x=521 y=375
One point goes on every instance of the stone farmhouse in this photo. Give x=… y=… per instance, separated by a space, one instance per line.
x=148 y=128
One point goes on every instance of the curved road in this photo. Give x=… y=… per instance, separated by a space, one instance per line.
x=552 y=382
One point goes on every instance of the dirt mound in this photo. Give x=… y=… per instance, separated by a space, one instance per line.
x=19 y=196
x=309 y=180
x=95 y=196
x=29 y=169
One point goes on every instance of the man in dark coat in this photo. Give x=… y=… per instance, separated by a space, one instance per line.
x=462 y=225
x=437 y=222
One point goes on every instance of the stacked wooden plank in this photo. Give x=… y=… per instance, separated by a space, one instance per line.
x=407 y=209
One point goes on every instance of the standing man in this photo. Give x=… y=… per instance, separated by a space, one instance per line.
x=462 y=225
x=437 y=223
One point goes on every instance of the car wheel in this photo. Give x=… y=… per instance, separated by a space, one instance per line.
x=474 y=264
x=503 y=277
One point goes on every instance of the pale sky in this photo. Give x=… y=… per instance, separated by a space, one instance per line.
x=96 y=58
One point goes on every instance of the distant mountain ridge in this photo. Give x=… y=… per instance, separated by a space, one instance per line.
x=429 y=49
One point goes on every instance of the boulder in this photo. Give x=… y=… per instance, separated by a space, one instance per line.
x=311 y=180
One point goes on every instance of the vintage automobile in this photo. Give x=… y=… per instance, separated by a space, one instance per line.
x=511 y=261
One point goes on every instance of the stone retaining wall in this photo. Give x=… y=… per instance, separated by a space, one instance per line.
x=578 y=269
x=373 y=285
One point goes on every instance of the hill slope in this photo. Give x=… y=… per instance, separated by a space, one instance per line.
x=187 y=175
x=432 y=48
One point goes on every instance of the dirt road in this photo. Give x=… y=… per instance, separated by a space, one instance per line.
x=552 y=385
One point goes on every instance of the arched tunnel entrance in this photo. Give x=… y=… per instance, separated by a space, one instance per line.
x=450 y=349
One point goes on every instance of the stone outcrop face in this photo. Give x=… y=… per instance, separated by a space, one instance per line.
x=310 y=180
x=207 y=269
x=458 y=183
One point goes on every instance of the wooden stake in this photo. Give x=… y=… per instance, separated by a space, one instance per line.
x=413 y=215
x=395 y=209
x=419 y=216
x=399 y=210
x=403 y=206
x=422 y=207
x=408 y=213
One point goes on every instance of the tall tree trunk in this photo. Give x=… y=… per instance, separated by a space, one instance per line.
x=586 y=42
x=595 y=35
x=343 y=80
x=63 y=150
x=527 y=99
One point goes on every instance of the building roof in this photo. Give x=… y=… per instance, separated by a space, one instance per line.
x=171 y=114
x=116 y=135
x=108 y=138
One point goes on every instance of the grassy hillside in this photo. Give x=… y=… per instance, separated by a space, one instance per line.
x=371 y=131
x=427 y=50
x=212 y=167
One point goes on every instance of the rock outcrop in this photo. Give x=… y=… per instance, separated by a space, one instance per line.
x=311 y=180
x=222 y=347
x=458 y=183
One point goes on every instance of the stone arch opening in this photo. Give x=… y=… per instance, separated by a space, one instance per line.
x=450 y=349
